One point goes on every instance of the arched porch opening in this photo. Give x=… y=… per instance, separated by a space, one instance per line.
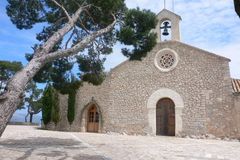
x=152 y=108
x=91 y=118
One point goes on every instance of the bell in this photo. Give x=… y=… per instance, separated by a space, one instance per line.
x=165 y=28
x=165 y=32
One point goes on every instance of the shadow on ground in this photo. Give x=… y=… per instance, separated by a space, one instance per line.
x=46 y=148
x=39 y=142
x=90 y=157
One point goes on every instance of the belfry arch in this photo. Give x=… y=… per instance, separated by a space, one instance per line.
x=165 y=30
x=152 y=106
x=166 y=15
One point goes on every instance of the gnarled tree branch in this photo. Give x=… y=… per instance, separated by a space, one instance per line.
x=64 y=10
x=80 y=45
x=57 y=36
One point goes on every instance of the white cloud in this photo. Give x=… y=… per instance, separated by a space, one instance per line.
x=212 y=25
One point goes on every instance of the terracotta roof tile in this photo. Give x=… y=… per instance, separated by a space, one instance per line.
x=236 y=85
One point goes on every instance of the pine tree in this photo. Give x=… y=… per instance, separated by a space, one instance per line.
x=73 y=27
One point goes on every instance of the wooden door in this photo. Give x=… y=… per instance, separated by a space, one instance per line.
x=93 y=119
x=171 y=120
x=165 y=117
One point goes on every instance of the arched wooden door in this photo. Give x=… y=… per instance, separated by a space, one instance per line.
x=165 y=117
x=93 y=119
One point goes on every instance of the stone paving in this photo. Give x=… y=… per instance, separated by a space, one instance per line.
x=30 y=143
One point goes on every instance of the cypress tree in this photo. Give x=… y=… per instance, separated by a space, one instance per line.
x=71 y=106
x=47 y=105
x=50 y=110
x=55 y=107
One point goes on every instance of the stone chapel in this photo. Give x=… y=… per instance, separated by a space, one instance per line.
x=176 y=90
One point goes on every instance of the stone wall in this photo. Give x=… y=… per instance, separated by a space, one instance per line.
x=236 y=115
x=201 y=79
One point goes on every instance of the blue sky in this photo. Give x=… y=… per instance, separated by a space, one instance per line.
x=208 y=24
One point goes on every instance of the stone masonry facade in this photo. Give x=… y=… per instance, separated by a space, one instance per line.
x=198 y=83
x=202 y=79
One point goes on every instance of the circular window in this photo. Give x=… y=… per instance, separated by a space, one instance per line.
x=166 y=60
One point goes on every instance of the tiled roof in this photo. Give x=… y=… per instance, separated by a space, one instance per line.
x=236 y=85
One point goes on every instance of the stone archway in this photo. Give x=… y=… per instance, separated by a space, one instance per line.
x=91 y=118
x=152 y=103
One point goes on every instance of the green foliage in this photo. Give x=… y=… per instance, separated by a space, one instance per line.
x=55 y=72
x=33 y=91
x=237 y=6
x=7 y=70
x=36 y=106
x=71 y=106
x=55 y=108
x=50 y=100
x=91 y=67
x=70 y=88
x=47 y=105
x=25 y=13
x=33 y=100
x=95 y=79
x=50 y=109
x=70 y=85
x=133 y=28
x=136 y=31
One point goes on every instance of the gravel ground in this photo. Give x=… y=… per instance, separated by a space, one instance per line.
x=28 y=142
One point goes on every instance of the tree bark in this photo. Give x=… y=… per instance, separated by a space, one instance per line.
x=28 y=112
x=15 y=91
x=26 y=117
x=237 y=6
x=31 y=117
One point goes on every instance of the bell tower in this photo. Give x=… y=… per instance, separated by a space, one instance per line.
x=168 y=27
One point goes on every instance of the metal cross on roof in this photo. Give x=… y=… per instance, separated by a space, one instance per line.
x=165 y=5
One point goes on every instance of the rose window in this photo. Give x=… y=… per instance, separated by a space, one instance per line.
x=166 y=60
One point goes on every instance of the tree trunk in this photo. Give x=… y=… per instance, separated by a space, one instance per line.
x=15 y=91
x=31 y=117
x=17 y=84
x=26 y=117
